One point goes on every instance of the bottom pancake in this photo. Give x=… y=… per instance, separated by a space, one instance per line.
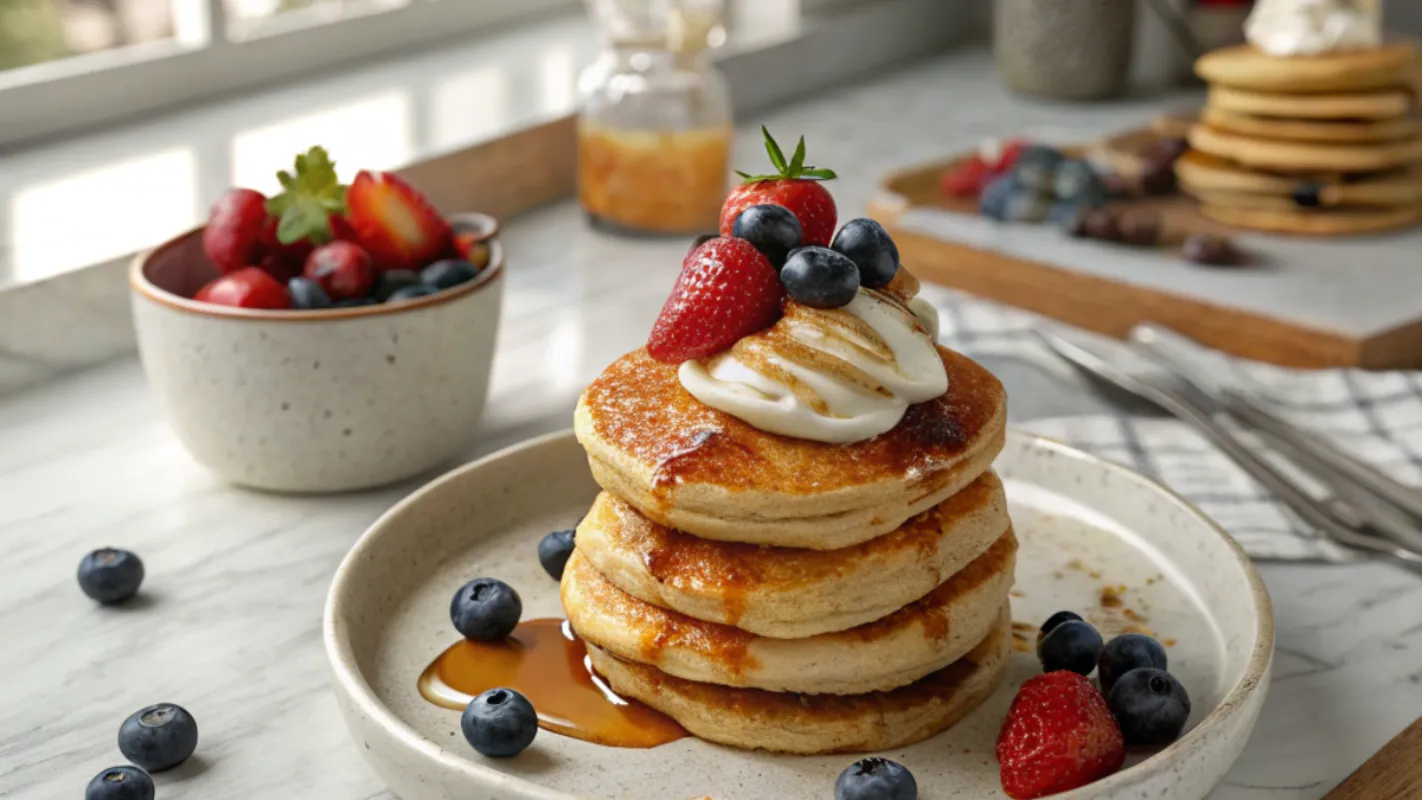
x=754 y=719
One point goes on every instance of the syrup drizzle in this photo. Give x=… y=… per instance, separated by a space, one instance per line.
x=546 y=662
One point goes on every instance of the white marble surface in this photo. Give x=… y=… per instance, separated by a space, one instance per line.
x=230 y=622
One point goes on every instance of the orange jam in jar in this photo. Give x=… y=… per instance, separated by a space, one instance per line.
x=653 y=181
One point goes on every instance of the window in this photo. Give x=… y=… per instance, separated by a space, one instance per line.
x=71 y=63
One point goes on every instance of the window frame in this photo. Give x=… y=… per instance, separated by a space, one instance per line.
x=86 y=91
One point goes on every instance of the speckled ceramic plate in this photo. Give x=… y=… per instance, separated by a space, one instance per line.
x=1095 y=537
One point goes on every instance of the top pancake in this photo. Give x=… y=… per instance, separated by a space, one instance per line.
x=1245 y=67
x=688 y=466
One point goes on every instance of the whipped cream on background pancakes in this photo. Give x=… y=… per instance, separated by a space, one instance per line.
x=1314 y=27
x=829 y=375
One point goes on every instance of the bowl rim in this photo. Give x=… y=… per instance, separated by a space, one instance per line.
x=141 y=286
x=349 y=681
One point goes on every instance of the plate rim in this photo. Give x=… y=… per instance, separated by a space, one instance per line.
x=347 y=679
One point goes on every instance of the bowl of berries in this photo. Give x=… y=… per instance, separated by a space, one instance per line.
x=326 y=338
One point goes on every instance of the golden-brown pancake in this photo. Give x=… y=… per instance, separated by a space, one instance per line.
x=753 y=719
x=1246 y=67
x=788 y=593
x=1285 y=156
x=691 y=467
x=922 y=637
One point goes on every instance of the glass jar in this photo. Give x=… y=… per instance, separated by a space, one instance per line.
x=654 y=130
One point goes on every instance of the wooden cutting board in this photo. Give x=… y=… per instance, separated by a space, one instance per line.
x=1308 y=302
x=1393 y=773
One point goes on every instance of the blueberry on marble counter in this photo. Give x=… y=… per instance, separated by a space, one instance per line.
x=120 y=783
x=554 y=550
x=110 y=575
x=485 y=610
x=499 y=723
x=158 y=737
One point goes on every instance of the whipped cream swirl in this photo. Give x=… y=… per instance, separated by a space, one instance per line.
x=830 y=375
x=1312 y=27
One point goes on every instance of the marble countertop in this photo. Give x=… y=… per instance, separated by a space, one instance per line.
x=229 y=621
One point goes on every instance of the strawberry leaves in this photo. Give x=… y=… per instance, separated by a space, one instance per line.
x=308 y=198
x=794 y=169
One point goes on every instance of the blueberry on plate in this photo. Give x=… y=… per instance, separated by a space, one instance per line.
x=448 y=273
x=120 y=783
x=307 y=294
x=1127 y=652
x=1008 y=200
x=392 y=281
x=876 y=779
x=703 y=239
x=499 y=723
x=1150 y=705
x=772 y=229
x=1075 y=179
x=1054 y=620
x=872 y=250
x=1036 y=167
x=1073 y=645
x=1068 y=215
x=553 y=552
x=411 y=292
x=355 y=302
x=158 y=737
x=819 y=277
x=485 y=610
x=110 y=575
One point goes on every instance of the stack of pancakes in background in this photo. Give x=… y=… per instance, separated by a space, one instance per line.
x=790 y=595
x=1327 y=144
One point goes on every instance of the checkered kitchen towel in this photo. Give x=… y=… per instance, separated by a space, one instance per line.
x=1377 y=415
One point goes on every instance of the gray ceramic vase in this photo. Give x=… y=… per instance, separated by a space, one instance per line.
x=1067 y=49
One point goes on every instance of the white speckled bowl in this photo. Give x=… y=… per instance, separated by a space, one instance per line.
x=1084 y=525
x=314 y=401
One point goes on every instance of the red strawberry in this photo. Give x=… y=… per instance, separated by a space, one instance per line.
x=794 y=186
x=248 y=287
x=1006 y=155
x=965 y=178
x=342 y=269
x=727 y=289
x=395 y=223
x=234 y=229
x=1058 y=735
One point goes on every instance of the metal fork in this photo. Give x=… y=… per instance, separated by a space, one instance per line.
x=1188 y=405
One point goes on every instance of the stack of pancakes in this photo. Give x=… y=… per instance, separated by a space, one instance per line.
x=789 y=595
x=1328 y=144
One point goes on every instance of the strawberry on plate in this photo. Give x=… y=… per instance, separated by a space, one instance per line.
x=1059 y=734
x=234 y=229
x=395 y=223
x=727 y=289
x=249 y=287
x=793 y=186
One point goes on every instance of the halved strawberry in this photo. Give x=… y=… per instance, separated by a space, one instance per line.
x=395 y=223
x=794 y=186
x=727 y=289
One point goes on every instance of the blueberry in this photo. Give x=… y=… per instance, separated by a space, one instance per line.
x=1054 y=620
x=307 y=294
x=355 y=302
x=876 y=779
x=485 y=610
x=120 y=783
x=704 y=238
x=872 y=250
x=499 y=723
x=820 y=277
x=553 y=552
x=110 y=576
x=1127 y=652
x=392 y=281
x=1037 y=166
x=410 y=293
x=158 y=737
x=1150 y=705
x=1076 y=180
x=1072 y=645
x=1069 y=216
x=1010 y=201
x=1309 y=194
x=448 y=272
x=773 y=230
